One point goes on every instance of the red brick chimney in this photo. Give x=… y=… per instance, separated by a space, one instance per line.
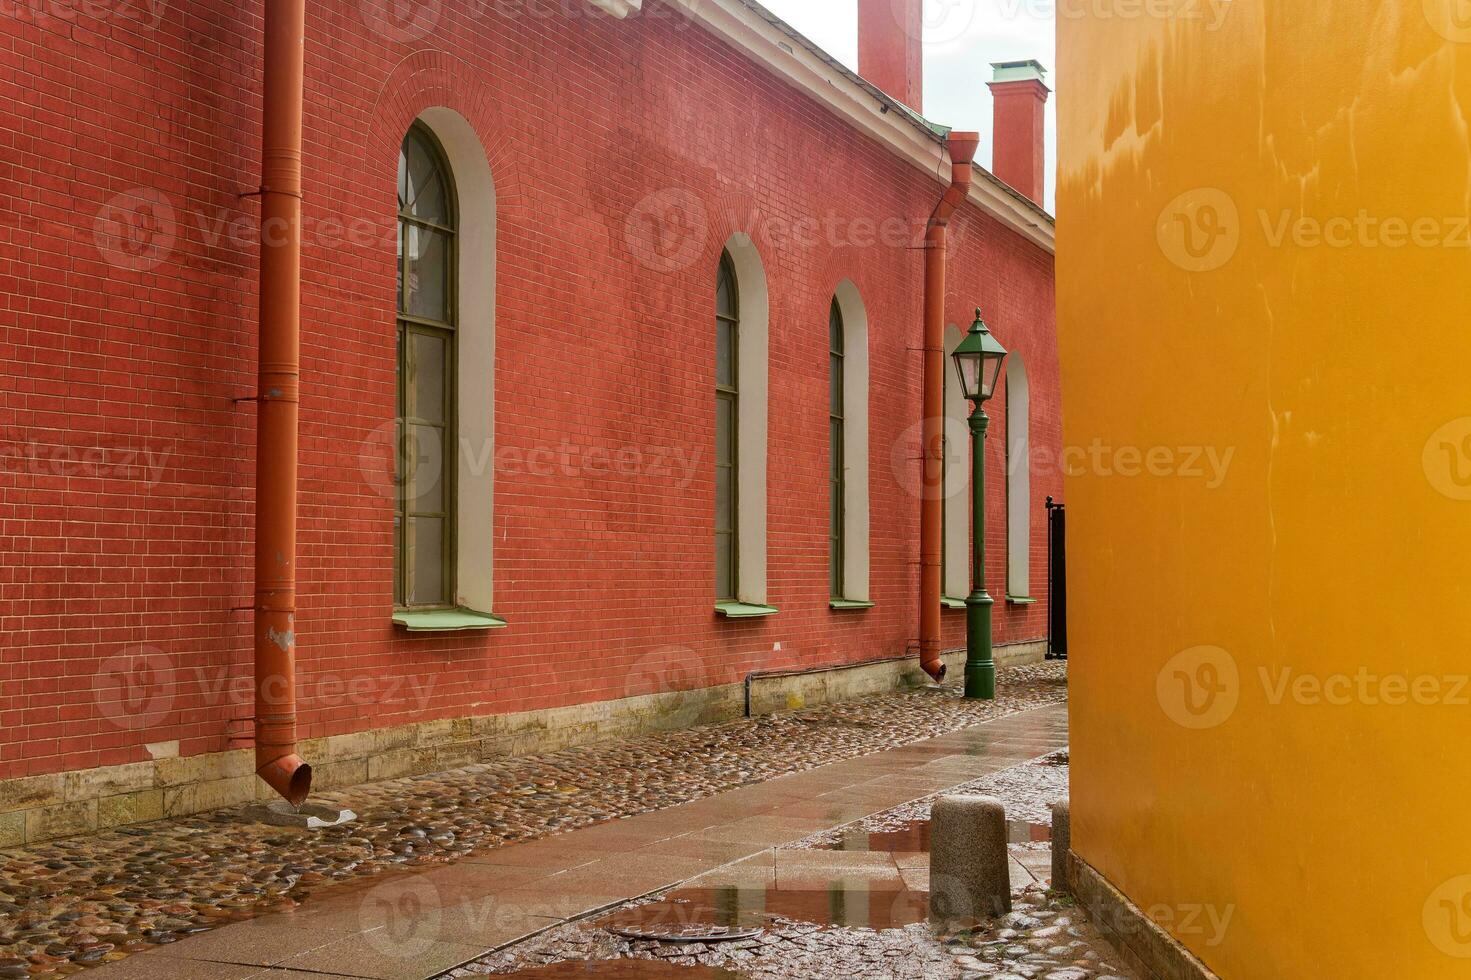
x=891 y=48
x=1018 y=142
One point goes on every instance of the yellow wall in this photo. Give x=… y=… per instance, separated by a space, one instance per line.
x=1333 y=382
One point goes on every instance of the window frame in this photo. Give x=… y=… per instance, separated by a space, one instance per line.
x=837 y=447
x=406 y=326
x=731 y=395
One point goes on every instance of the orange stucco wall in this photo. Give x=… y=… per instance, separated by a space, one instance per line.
x=1264 y=275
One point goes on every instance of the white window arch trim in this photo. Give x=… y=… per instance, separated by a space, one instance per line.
x=856 y=507
x=474 y=456
x=1018 y=480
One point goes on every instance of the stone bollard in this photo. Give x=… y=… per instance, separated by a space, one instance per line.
x=1062 y=843
x=970 y=875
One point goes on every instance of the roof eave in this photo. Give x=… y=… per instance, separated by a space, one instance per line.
x=789 y=55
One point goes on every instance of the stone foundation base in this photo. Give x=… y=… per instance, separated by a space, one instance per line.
x=47 y=807
x=1145 y=948
x=777 y=692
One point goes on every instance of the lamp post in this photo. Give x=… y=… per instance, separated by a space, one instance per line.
x=978 y=359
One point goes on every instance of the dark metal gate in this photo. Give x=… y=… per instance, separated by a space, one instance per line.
x=1056 y=581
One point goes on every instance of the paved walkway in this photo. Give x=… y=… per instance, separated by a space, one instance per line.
x=414 y=926
x=94 y=900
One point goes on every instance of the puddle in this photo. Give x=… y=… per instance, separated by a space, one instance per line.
x=844 y=906
x=913 y=837
x=630 y=969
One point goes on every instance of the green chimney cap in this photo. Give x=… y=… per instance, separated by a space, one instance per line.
x=1018 y=71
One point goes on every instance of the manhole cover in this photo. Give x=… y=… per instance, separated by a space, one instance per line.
x=692 y=932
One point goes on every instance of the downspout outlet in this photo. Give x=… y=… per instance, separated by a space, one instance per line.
x=289 y=776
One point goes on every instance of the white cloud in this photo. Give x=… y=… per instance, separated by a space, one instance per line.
x=962 y=38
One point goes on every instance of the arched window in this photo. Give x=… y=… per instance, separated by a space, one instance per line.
x=424 y=521
x=1018 y=481
x=727 y=432
x=848 y=438
x=742 y=326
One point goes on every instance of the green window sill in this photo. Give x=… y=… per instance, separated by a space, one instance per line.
x=950 y=602
x=445 y=620
x=743 y=610
x=841 y=604
x=1020 y=600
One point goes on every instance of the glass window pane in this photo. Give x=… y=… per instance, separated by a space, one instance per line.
x=403 y=179
x=422 y=189
x=835 y=329
x=725 y=566
x=398 y=559
x=424 y=460
x=427 y=290
x=725 y=368
x=426 y=558
x=400 y=266
x=725 y=291
x=725 y=431
x=835 y=574
x=835 y=389
x=724 y=498
x=429 y=377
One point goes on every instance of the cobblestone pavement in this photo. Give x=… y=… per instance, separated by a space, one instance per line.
x=1045 y=937
x=848 y=929
x=76 y=903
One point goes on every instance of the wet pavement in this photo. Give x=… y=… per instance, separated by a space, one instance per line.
x=848 y=902
x=1027 y=790
x=76 y=904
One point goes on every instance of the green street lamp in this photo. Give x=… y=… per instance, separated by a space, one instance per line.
x=978 y=360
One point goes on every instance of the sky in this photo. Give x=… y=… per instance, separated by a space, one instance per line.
x=962 y=38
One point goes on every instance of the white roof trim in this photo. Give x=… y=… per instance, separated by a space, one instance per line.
x=760 y=34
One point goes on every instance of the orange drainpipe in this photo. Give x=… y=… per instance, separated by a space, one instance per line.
x=962 y=148
x=280 y=384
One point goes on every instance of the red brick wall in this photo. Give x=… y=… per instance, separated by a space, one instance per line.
x=127 y=467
